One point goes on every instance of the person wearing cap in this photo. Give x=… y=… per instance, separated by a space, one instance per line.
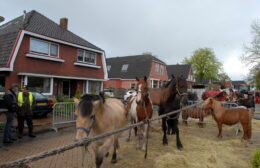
x=10 y=99
x=25 y=103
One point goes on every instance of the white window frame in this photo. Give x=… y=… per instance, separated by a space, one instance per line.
x=24 y=82
x=49 y=47
x=86 y=85
x=84 y=55
x=157 y=68
x=125 y=65
x=108 y=67
x=161 y=69
x=132 y=84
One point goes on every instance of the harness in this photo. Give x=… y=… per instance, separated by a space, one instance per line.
x=87 y=130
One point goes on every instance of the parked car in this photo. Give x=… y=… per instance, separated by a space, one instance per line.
x=109 y=92
x=128 y=94
x=42 y=105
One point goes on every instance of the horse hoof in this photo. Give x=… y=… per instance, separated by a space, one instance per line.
x=113 y=161
x=180 y=148
x=165 y=143
x=128 y=140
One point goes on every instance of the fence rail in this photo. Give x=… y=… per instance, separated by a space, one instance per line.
x=86 y=141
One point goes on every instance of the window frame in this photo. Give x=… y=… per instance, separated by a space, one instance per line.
x=49 y=48
x=124 y=65
x=131 y=85
x=84 y=55
x=161 y=69
x=108 y=67
x=24 y=82
x=157 y=68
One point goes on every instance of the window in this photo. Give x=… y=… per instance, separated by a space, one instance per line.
x=124 y=67
x=86 y=57
x=43 y=47
x=38 y=84
x=155 y=84
x=156 y=68
x=133 y=85
x=161 y=69
x=2 y=83
x=93 y=87
x=108 y=67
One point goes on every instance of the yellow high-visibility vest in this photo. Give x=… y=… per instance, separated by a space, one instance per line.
x=20 y=99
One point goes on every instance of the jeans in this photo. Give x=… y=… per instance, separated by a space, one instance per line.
x=8 y=126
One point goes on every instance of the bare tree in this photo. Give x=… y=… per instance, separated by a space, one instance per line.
x=252 y=51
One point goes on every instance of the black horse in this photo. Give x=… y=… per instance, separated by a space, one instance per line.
x=173 y=103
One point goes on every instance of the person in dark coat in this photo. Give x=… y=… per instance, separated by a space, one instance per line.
x=12 y=107
x=25 y=103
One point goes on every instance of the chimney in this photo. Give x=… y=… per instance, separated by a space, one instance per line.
x=64 y=23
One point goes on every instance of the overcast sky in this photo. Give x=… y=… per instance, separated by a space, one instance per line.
x=170 y=29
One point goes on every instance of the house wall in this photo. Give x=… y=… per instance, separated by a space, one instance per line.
x=155 y=75
x=67 y=68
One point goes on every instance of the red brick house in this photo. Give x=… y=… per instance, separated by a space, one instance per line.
x=182 y=69
x=47 y=57
x=122 y=71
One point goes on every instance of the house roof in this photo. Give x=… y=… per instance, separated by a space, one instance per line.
x=138 y=66
x=37 y=23
x=178 y=70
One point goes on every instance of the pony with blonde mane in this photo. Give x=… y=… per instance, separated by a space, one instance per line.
x=97 y=115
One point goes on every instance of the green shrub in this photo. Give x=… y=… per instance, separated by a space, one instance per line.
x=68 y=100
x=256 y=159
x=77 y=94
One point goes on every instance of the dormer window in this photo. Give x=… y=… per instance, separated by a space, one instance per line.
x=124 y=67
x=44 y=47
x=108 y=67
x=86 y=56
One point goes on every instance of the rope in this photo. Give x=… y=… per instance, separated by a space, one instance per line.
x=85 y=142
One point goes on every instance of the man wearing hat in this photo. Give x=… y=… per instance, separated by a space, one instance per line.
x=25 y=103
x=12 y=107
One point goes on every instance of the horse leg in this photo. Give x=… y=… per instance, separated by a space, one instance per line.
x=201 y=122
x=102 y=151
x=116 y=145
x=130 y=130
x=245 y=131
x=145 y=134
x=164 y=127
x=178 y=141
x=219 y=130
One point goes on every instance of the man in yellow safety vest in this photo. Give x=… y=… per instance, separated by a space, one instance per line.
x=25 y=102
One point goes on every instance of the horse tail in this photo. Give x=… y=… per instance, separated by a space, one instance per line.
x=249 y=124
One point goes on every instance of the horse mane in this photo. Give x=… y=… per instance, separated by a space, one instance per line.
x=167 y=90
x=85 y=106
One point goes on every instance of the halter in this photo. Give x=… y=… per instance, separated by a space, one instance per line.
x=177 y=89
x=87 y=130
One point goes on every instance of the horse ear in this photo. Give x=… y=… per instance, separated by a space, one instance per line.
x=173 y=77
x=145 y=78
x=101 y=94
x=76 y=101
x=137 y=79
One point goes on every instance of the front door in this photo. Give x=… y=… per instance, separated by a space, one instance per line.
x=2 y=83
x=66 y=88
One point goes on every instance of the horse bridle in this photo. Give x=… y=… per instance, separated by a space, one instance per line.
x=87 y=130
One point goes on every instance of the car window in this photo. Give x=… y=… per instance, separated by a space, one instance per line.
x=38 y=95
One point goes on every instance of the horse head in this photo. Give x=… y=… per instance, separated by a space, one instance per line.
x=88 y=107
x=142 y=89
x=208 y=103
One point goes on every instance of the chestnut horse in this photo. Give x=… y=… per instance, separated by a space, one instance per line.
x=169 y=99
x=230 y=116
x=140 y=108
x=97 y=115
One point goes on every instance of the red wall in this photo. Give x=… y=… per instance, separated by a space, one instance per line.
x=67 y=68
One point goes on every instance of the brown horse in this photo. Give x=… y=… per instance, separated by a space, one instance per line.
x=140 y=108
x=231 y=116
x=197 y=113
x=97 y=115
